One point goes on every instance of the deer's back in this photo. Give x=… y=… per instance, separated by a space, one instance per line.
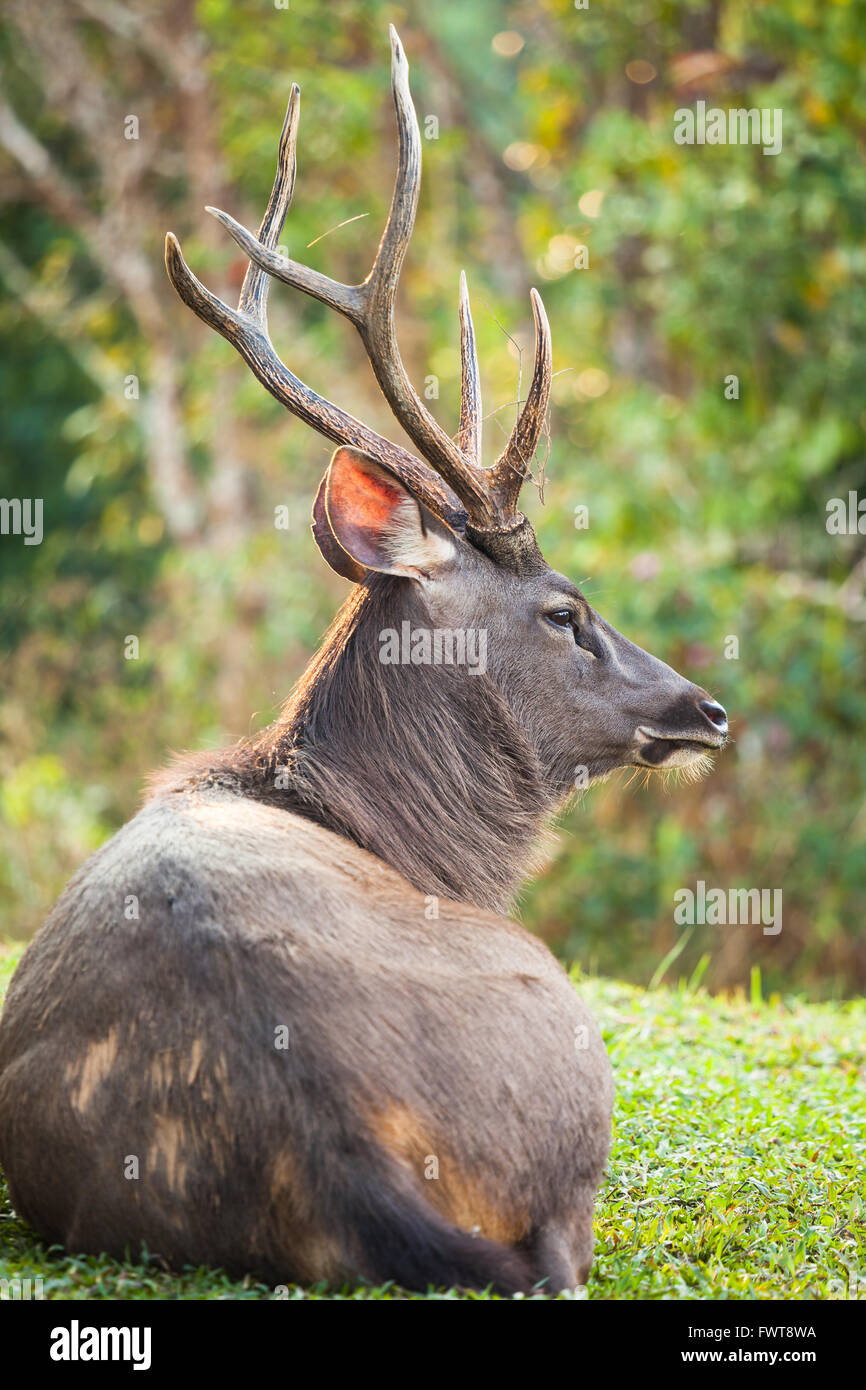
x=230 y=1002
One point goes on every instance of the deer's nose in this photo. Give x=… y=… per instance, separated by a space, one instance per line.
x=715 y=713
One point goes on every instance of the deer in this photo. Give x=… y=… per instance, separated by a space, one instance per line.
x=320 y=1050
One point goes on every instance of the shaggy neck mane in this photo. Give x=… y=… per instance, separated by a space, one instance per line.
x=424 y=766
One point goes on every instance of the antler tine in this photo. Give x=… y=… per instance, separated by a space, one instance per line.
x=246 y=329
x=469 y=433
x=380 y=286
x=254 y=291
x=510 y=469
x=370 y=305
x=379 y=290
x=267 y=261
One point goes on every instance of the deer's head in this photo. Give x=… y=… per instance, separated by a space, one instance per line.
x=447 y=527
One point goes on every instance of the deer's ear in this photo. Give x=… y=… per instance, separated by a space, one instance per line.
x=365 y=519
x=327 y=542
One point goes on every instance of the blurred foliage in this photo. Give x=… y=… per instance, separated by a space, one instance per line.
x=706 y=514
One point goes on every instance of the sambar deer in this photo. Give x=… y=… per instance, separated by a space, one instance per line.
x=287 y=1063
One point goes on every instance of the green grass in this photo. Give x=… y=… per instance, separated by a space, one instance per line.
x=737 y=1169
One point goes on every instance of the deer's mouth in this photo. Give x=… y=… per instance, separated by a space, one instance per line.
x=656 y=749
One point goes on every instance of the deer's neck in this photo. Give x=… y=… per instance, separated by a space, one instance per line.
x=422 y=765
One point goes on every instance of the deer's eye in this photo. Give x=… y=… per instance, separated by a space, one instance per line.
x=561 y=617
x=565 y=618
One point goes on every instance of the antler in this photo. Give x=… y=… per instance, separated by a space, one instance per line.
x=489 y=496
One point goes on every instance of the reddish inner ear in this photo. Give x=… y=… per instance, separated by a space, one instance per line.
x=362 y=503
x=369 y=506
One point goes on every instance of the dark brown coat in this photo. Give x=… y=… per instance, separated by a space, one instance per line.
x=457 y=1040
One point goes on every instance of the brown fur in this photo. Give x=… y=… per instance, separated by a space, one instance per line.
x=409 y=1037
x=426 y=768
